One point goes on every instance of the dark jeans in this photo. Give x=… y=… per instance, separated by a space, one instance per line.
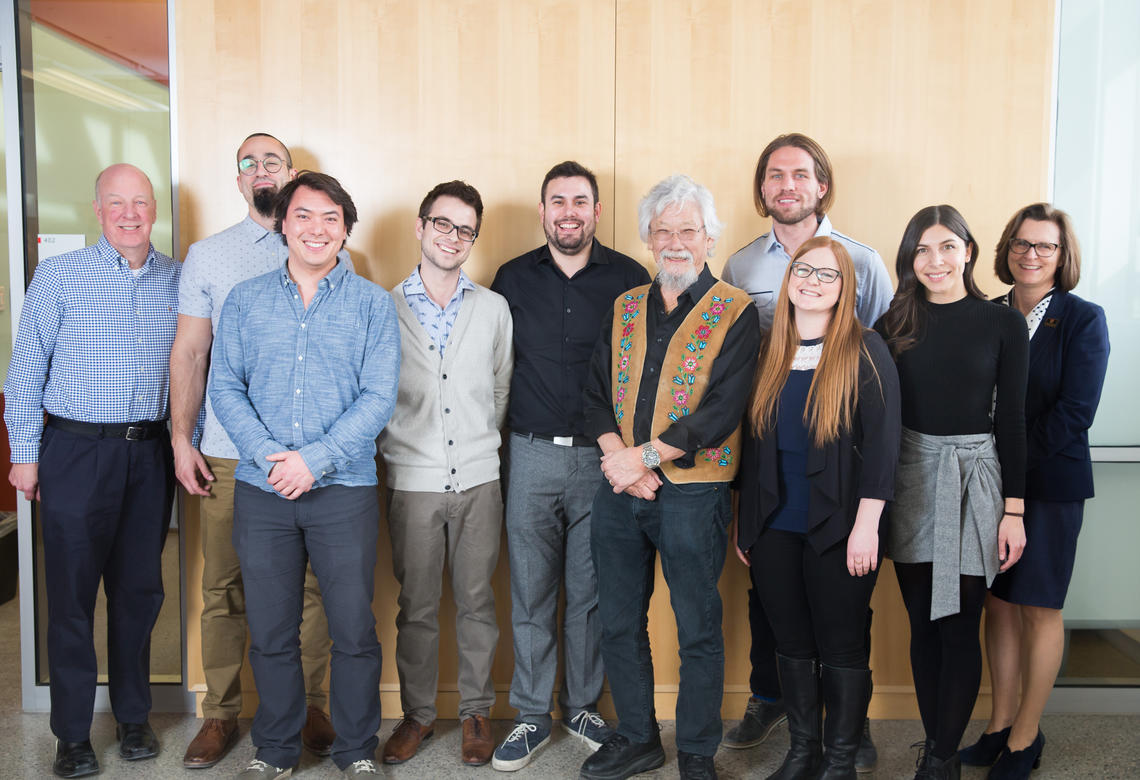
x=687 y=525
x=945 y=655
x=334 y=528
x=104 y=512
x=817 y=609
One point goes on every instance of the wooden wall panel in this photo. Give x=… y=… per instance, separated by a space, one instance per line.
x=917 y=102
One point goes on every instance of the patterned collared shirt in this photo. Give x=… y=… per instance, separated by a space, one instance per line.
x=319 y=379
x=93 y=344
x=437 y=321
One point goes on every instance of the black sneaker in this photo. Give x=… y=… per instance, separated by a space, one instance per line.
x=760 y=719
x=695 y=767
x=618 y=758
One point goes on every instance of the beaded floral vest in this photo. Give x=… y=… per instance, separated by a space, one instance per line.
x=684 y=373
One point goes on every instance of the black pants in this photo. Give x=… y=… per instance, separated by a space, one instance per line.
x=945 y=655
x=816 y=608
x=104 y=514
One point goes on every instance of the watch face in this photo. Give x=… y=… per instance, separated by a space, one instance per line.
x=650 y=457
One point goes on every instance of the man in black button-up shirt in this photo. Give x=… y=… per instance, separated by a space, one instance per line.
x=682 y=357
x=558 y=296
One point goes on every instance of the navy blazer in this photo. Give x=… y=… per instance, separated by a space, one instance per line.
x=860 y=463
x=1068 y=356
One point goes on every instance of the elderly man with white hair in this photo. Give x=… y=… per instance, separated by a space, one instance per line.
x=668 y=384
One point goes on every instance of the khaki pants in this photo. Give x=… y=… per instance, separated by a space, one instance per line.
x=465 y=529
x=223 y=608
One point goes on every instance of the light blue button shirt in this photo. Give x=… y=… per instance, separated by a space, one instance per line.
x=320 y=379
x=437 y=320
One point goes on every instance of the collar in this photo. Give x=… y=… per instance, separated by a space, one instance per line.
x=331 y=280
x=769 y=242
x=112 y=256
x=597 y=254
x=256 y=232
x=414 y=284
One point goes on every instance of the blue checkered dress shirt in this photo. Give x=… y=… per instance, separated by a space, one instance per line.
x=320 y=380
x=93 y=344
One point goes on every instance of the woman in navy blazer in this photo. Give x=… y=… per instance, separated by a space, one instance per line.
x=1068 y=355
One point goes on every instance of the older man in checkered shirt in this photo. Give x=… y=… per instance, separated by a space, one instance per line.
x=91 y=357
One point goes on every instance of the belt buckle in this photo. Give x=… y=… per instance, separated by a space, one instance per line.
x=563 y=441
x=136 y=433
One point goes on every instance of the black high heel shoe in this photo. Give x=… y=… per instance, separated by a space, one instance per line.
x=986 y=750
x=1018 y=764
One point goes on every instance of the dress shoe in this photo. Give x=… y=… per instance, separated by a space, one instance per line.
x=214 y=740
x=692 y=766
x=618 y=758
x=930 y=767
x=318 y=734
x=136 y=741
x=986 y=750
x=1018 y=764
x=477 y=743
x=405 y=740
x=74 y=759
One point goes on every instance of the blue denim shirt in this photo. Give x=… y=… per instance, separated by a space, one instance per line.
x=320 y=380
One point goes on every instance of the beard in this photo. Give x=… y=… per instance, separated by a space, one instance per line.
x=793 y=217
x=677 y=281
x=264 y=200
x=571 y=244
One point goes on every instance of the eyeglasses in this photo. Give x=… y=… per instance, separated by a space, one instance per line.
x=825 y=275
x=687 y=235
x=445 y=226
x=1020 y=246
x=247 y=166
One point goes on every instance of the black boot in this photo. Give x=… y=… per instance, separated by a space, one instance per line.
x=846 y=693
x=799 y=680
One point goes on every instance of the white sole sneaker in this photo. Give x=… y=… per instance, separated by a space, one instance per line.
x=518 y=763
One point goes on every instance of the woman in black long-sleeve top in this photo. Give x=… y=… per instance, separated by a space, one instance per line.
x=1068 y=355
x=817 y=468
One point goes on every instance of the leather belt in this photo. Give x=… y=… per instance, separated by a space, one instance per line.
x=137 y=431
x=563 y=441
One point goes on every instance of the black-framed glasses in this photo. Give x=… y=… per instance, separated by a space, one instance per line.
x=1020 y=246
x=445 y=226
x=247 y=166
x=825 y=275
x=687 y=236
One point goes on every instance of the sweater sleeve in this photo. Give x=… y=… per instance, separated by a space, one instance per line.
x=1009 y=410
x=880 y=420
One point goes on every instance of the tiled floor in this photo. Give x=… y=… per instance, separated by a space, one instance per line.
x=1091 y=747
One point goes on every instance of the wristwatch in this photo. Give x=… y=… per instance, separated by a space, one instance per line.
x=650 y=456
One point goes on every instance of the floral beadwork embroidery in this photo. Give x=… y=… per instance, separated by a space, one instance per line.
x=630 y=311
x=691 y=364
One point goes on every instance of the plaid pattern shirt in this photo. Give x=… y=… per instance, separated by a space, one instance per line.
x=93 y=344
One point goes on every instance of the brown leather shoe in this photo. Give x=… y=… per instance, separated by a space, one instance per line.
x=477 y=742
x=214 y=740
x=405 y=740
x=318 y=733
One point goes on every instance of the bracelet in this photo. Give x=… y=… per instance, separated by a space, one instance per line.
x=1013 y=514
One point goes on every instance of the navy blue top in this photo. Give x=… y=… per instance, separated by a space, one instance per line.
x=793 y=441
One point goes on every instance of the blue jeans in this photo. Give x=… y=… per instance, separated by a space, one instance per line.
x=688 y=526
x=334 y=528
x=550 y=492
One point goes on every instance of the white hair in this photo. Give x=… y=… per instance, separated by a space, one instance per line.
x=679 y=190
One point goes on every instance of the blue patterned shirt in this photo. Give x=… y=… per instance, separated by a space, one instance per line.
x=437 y=321
x=93 y=344
x=320 y=380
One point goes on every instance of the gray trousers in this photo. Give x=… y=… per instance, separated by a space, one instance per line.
x=550 y=490
x=465 y=528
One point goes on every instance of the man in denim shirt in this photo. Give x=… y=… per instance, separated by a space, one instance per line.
x=305 y=370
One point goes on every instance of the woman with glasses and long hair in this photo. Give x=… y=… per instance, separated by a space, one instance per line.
x=817 y=468
x=1068 y=354
x=957 y=516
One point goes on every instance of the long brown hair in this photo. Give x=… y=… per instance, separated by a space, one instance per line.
x=834 y=389
x=904 y=319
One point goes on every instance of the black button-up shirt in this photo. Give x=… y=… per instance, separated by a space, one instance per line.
x=556 y=322
x=726 y=395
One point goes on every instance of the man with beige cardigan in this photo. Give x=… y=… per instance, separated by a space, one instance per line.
x=442 y=453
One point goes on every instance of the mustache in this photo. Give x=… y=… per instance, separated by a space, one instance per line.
x=670 y=254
